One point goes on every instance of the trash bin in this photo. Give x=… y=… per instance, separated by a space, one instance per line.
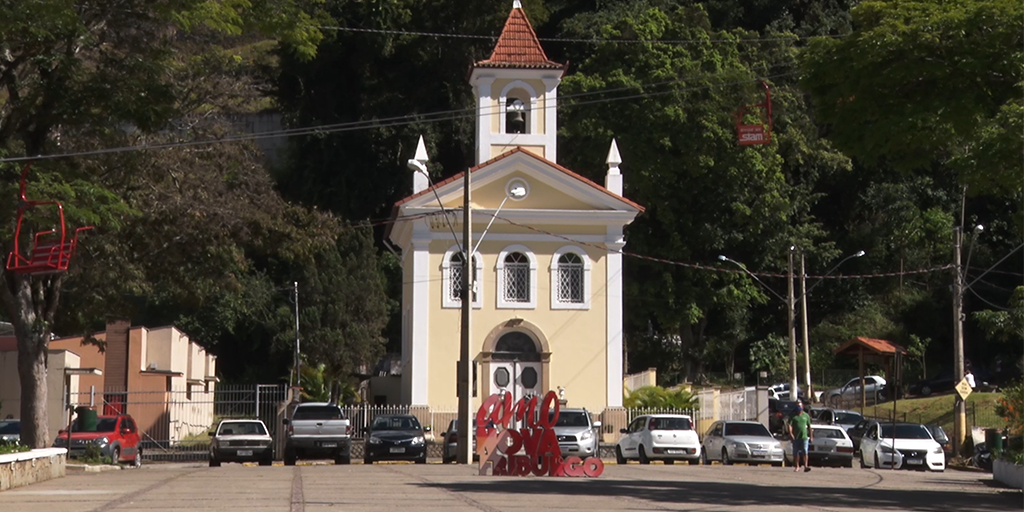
x=994 y=440
x=87 y=418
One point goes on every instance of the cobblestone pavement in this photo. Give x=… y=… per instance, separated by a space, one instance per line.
x=408 y=487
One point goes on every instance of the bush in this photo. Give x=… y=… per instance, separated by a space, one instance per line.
x=12 y=447
x=657 y=397
x=1011 y=408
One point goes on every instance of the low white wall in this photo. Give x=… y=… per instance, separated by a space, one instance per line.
x=1009 y=474
x=18 y=469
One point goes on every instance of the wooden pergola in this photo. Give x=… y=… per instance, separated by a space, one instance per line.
x=881 y=352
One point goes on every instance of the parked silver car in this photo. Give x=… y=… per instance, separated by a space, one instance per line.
x=241 y=441
x=851 y=392
x=577 y=435
x=450 y=448
x=740 y=441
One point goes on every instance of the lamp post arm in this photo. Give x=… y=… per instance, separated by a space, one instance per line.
x=482 y=235
x=751 y=274
x=822 y=278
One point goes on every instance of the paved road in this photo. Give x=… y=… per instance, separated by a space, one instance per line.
x=407 y=488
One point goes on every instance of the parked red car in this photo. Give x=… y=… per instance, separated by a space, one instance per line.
x=117 y=437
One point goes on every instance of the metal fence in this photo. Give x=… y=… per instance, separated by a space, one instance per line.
x=173 y=424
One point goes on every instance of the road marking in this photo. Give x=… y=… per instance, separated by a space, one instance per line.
x=298 y=501
x=58 y=492
x=457 y=495
x=129 y=497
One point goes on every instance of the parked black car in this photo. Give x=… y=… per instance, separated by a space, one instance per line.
x=856 y=432
x=939 y=383
x=779 y=412
x=395 y=437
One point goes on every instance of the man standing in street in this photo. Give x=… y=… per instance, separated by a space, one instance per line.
x=800 y=433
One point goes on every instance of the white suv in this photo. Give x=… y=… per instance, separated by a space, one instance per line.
x=667 y=437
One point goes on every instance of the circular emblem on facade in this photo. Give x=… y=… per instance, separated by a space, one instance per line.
x=517 y=189
x=501 y=377
x=529 y=377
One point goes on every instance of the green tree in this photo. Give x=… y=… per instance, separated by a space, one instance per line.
x=704 y=195
x=76 y=74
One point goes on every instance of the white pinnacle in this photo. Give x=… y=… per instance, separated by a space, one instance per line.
x=421 y=152
x=613 y=156
x=516 y=4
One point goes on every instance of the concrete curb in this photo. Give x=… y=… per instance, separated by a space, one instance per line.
x=86 y=468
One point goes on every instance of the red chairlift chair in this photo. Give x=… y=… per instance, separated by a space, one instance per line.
x=754 y=134
x=51 y=251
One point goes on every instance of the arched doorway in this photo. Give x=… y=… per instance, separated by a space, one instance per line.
x=516 y=365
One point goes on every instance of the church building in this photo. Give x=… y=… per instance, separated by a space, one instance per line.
x=547 y=297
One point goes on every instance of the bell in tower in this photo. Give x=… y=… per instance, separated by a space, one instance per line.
x=515 y=116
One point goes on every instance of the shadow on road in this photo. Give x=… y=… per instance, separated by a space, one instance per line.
x=742 y=494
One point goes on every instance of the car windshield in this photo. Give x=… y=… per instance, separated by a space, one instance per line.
x=572 y=419
x=102 y=425
x=318 y=412
x=905 y=432
x=669 y=424
x=828 y=433
x=10 y=427
x=242 y=428
x=395 y=423
x=937 y=432
x=848 y=418
x=746 y=429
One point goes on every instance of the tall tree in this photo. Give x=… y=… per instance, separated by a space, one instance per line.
x=73 y=69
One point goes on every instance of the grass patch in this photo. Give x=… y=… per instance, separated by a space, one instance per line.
x=981 y=410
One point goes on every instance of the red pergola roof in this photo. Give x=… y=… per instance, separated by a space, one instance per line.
x=881 y=347
x=518 y=46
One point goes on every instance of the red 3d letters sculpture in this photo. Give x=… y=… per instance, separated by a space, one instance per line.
x=532 y=448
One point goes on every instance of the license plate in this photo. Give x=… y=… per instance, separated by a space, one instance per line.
x=329 y=445
x=760 y=453
x=676 y=452
x=398 y=450
x=244 y=453
x=915 y=461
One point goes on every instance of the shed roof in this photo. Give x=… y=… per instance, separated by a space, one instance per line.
x=875 y=346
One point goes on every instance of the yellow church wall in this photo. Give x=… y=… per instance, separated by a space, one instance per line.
x=576 y=338
x=541 y=196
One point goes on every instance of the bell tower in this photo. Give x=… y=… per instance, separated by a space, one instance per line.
x=516 y=93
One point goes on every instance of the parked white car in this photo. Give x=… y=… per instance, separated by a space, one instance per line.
x=914 y=447
x=740 y=441
x=666 y=437
x=241 y=441
x=850 y=392
x=831 y=446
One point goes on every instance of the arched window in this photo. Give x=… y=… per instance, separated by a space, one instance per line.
x=517 y=278
x=570 y=279
x=516 y=113
x=453 y=270
x=517 y=102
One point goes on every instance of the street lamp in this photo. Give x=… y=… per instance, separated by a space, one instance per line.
x=803 y=314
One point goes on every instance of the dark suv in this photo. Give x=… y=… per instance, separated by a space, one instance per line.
x=778 y=412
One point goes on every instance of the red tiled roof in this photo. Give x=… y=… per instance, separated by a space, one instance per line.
x=518 y=46
x=518 y=149
x=872 y=344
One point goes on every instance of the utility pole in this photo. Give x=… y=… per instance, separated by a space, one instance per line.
x=465 y=369
x=297 y=362
x=791 y=307
x=803 y=322
x=960 y=409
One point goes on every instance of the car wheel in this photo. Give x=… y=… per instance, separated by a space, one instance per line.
x=926 y=391
x=694 y=462
x=214 y=463
x=776 y=464
x=266 y=461
x=849 y=464
x=642 y=455
x=877 y=463
x=137 y=463
x=670 y=461
x=289 y=457
x=704 y=459
x=422 y=460
x=725 y=457
x=367 y=461
x=343 y=459
x=619 y=458
x=115 y=456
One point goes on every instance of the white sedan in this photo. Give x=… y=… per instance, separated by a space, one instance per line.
x=667 y=437
x=831 y=446
x=900 y=445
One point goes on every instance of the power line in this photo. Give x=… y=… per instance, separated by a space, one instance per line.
x=408 y=119
x=442 y=35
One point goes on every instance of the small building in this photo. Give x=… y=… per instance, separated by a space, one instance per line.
x=547 y=300
x=159 y=376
